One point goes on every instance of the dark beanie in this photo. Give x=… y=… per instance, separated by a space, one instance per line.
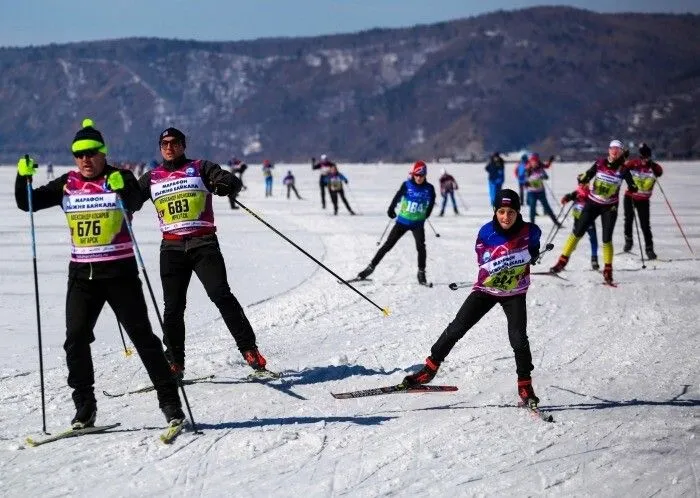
x=507 y=198
x=173 y=132
x=88 y=138
x=645 y=150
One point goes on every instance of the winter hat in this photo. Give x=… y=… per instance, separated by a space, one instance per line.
x=616 y=143
x=644 y=150
x=419 y=168
x=535 y=156
x=88 y=138
x=507 y=198
x=323 y=157
x=173 y=132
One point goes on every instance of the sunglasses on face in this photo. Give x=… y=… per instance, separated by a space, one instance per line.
x=172 y=143
x=90 y=153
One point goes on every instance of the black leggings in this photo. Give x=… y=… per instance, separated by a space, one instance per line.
x=176 y=268
x=642 y=208
x=474 y=308
x=84 y=302
x=334 y=199
x=591 y=210
x=396 y=233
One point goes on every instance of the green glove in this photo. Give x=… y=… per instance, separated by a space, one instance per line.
x=115 y=181
x=26 y=168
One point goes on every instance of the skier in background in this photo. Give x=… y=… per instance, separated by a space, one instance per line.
x=521 y=174
x=267 y=174
x=536 y=176
x=448 y=185
x=49 y=171
x=495 y=169
x=289 y=182
x=579 y=197
x=606 y=175
x=324 y=165
x=237 y=167
x=416 y=199
x=506 y=246
x=102 y=269
x=335 y=182
x=644 y=173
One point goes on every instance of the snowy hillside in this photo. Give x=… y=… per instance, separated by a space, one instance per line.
x=618 y=368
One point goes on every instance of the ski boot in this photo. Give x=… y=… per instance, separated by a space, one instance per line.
x=173 y=414
x=594 y=263
x=366 y=272
x=85 y=416
x=651 y=255
x=421 y=277
x=628 y=244
x=422 y=376
x=256 y=361
x=608 y=274
x=527 y=393
x=560 y=264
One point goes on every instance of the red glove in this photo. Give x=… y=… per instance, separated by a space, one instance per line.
x=564 y=200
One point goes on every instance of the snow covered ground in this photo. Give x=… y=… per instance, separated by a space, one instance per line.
x=618 y=368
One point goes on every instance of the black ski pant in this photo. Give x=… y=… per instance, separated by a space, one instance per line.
x=291 y=188
x=232 y=200
x=207 y=262
x=474 y=308
x=591 y=210
x=334 y=199
x=84 y=302
x=396 y=233
x=642 y=208
x=322 y=185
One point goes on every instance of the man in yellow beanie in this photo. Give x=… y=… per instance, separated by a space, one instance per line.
x=102 y=268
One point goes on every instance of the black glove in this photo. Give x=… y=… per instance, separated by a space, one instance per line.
x=391 y=213
x=632 y=188
x=551 y=159
x=222 y=188
x=625 y=154
x=534 y=255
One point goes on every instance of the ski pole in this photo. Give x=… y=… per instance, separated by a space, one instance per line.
x=674 y=217
x=431 y=226
x=639 y=239
x=357 y=206
x=550 y=238
x=461 y=285
x=385 y=229
x=385 y=311
x=551 y=192
x=36 y=297
x=125 y=214
x=127 y=351
x=561 y=210
x=461 y=199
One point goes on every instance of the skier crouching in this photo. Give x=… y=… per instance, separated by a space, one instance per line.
x=505 y=248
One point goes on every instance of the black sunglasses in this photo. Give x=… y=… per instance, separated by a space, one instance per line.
x=172 y=143
x=89 y=153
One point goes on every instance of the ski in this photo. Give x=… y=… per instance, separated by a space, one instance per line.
x=70 y=433
x=264 y=374
x=548 y=273
x=354 y=280
x=186 y=382
x=534 y=410
x=173 y=431
x=427 y=284
x=397 y=389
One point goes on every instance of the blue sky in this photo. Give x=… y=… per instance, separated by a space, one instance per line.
x=39 y=22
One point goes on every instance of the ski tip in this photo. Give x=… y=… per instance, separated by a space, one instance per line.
x=30 y=442
x=386 y=311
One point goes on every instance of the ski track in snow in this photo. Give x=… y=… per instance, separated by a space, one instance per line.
x=618 y=368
